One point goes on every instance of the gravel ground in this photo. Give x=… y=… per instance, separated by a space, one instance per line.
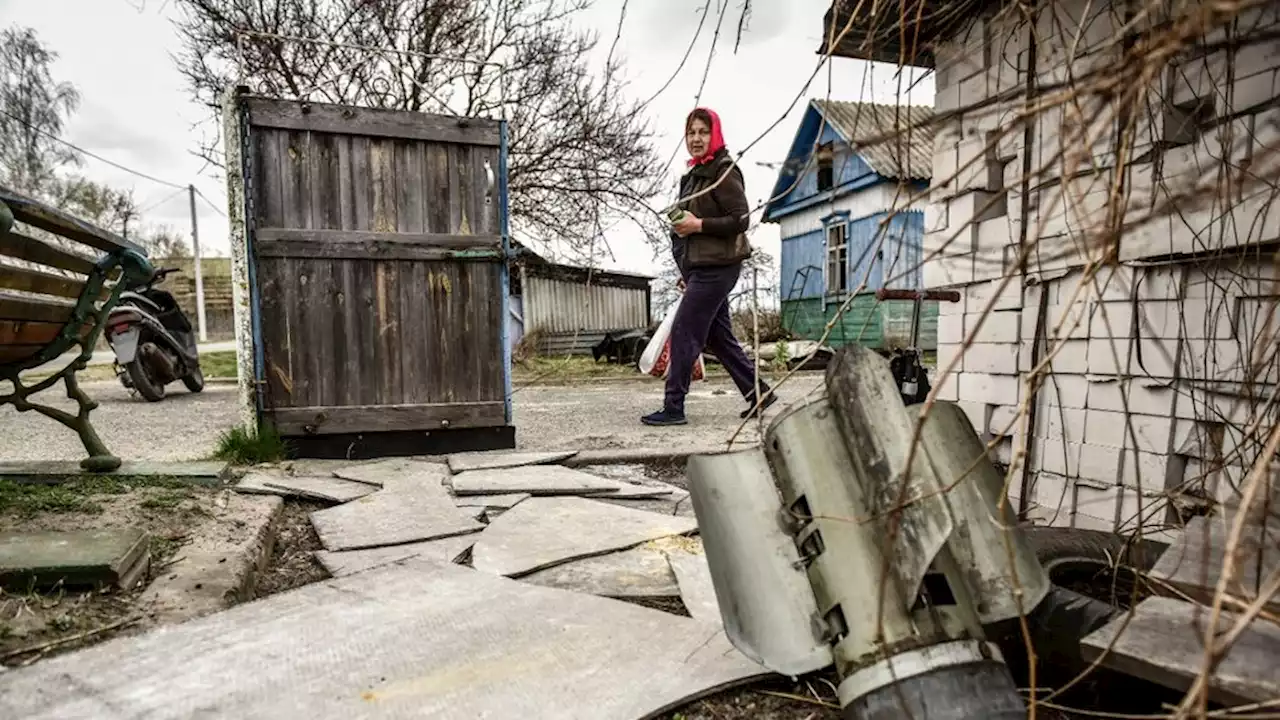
x=590 y=415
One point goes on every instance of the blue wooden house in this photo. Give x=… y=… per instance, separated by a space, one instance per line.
x=835 y=206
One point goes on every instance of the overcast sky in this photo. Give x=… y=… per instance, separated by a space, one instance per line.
x=136 y=111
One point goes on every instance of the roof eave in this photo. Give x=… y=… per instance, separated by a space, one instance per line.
x=879 y=37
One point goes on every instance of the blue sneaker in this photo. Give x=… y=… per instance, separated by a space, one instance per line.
x=664 y=418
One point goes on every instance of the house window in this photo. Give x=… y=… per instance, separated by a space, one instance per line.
x=838 y=258
x=826 y=168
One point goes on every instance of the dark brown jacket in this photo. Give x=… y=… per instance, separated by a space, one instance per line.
x=724 y=212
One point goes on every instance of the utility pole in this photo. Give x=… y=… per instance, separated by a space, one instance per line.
x=195 y=252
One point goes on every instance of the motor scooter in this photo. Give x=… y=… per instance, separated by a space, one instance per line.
x=153 y=341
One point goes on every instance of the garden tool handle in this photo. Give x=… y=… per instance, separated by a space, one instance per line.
x=939 y=295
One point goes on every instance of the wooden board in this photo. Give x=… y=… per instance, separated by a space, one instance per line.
x=376 y=418
x=369 y=317
x=37 y=214
x=1193 y=565
x=43 y=283
x=399 y=124
x=20 y=246
x=21 y=307
x=18 y=332
x=1163 y=642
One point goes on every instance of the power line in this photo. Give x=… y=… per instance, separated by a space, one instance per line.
x=167 y=198
x=93 y=155
x=210 y=203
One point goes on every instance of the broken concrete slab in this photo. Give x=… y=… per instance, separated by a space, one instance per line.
x=350 y=562
x=410 y=640
x=219 y=567
x=641 y=572
x=627 y=491
x=86 y=558
x=464 y=462
x=303 y=486
x=693 y=575
x=543 y=532
x=413 y=506
x=393 y=470
x=58 y=471
x=535 y=480
x=1163 y=640
x=503 y=502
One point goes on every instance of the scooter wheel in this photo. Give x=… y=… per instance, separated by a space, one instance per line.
x=194 y=380
x=150 y=390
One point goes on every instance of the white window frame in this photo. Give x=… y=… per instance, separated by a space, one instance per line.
x=836 y=242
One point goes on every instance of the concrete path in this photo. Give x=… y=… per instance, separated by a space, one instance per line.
x=589 y=416
x=106 y=357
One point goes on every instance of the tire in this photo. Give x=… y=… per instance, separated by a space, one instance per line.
x=1099 y=564
x=194 y=380
x=142 y=382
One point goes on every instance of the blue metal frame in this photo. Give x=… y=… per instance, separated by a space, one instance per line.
x=255 y=301
x=505 y=229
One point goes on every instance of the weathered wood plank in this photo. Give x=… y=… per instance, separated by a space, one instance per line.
x=437 y=189
x=346 y=185
x=362 y=183
x=270 y=148
x=19 y=307
x=392 y=370
x=42 y=283
x=1193 y=564
x=295 y=182
x=20 y=246
x=19 y=332
x=410 y=188
x=383 y=179
x=346 y=120
x=316 y=320
x=458 y=221
x=323 y=181
x=1163 y=642
x=433 y=337
x=412 y=349
x=37 y=214
x=370 y=338
x=386 y=418
x=345 y=337
x=352 y=245
x=278 y=369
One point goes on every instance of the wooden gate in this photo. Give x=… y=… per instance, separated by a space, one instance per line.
x=376 y=255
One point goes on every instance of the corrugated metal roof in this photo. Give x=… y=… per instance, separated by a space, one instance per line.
x=906 y=154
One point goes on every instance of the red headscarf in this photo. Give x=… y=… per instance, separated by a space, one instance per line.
x=717 y=137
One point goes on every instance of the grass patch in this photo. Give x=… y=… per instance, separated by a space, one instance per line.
x=239 y=446
x=27 y=500
x=219 y=364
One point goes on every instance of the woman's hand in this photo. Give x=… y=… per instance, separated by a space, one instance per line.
x=688 y=225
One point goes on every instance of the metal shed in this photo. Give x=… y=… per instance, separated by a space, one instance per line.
x=572 y=308
x=371 y=280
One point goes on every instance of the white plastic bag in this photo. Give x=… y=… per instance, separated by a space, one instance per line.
x=656 y=358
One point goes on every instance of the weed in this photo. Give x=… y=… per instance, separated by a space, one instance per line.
x=28 y=500
x=163 y=501
x=75 y=495
x=243 y=447
x=219 y=364
x=782 y=356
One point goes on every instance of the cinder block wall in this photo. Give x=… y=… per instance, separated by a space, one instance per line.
x=1150 y=281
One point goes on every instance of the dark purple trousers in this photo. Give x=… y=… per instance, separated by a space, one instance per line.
x=703 y=322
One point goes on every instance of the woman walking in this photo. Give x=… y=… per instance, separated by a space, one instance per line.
x=709 y=243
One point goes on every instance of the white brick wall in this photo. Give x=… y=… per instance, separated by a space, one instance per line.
x=1194 y=322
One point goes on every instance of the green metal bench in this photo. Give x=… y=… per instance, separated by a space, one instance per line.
x=54 y=297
